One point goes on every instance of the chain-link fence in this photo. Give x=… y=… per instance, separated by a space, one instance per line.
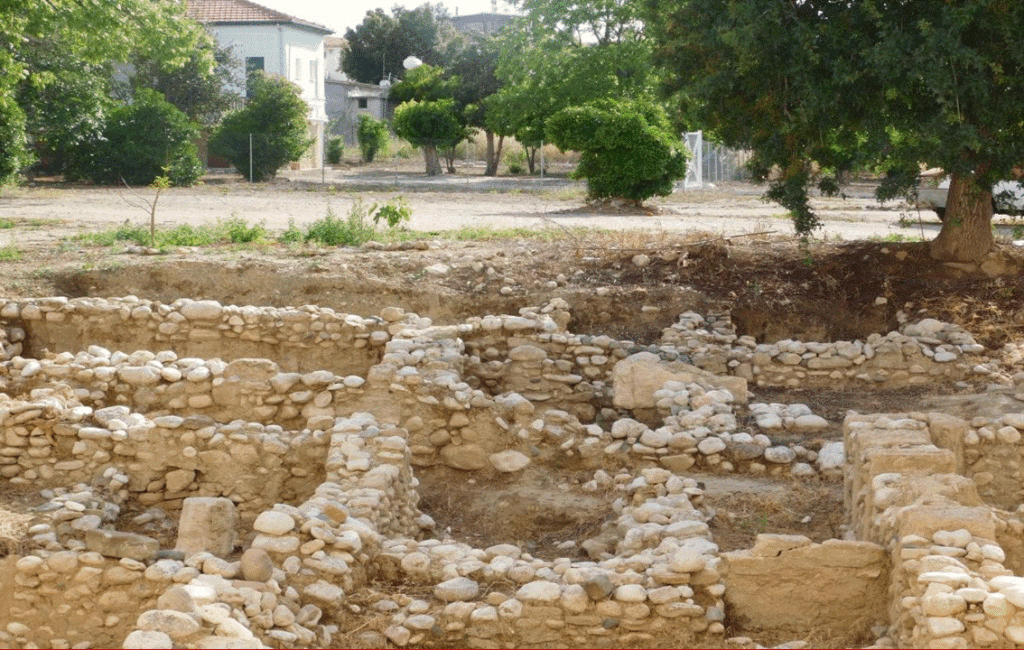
x=712 y=163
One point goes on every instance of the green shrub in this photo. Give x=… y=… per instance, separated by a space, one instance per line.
x=14 y=154
x=335 y=151
x=334 y=231
x=373 y=137
x=627 y=149
x=142 y=141
x=274 y=122
x=292 y=235
x=240 y=232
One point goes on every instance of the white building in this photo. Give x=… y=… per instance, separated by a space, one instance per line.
x=278 y=44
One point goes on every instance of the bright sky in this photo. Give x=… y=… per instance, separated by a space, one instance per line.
x=340 y=15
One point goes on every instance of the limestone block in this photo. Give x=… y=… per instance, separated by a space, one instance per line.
x=509 y=461
x=114 y=543
x=467 y=457
x=770 y=592
x=207 y=524
x=636 y=378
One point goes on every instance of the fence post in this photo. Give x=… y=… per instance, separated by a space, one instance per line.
x=250 y=157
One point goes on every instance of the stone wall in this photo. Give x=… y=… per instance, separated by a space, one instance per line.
x=300 y=339
x=950 y=584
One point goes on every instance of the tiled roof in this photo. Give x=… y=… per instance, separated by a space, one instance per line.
x=243 y=11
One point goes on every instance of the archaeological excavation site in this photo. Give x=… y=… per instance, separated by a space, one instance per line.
x=478 y=447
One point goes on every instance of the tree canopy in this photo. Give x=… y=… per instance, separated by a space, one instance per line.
x=378 y=45
x=58 y=60
x=270 y=131
x=819 y=88
x=562 y=53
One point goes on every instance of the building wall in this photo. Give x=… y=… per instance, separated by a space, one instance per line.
x=293 y=53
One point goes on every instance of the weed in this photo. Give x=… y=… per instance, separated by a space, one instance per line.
x=10 y=254
x=334 y=231
x=292 y=235
x=392 y=213
x=6 y=224
x=240 y=232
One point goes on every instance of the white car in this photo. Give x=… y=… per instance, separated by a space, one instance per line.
x=933 y=186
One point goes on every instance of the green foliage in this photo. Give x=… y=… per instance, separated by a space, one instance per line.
x=13 y=146
x=227 y=231
x=359 y=227
x=335 y=231
x=140 y=142
x=563 y=54
x=627 y=149
x=392 y=213
x=10 y=253
x=57 y=58
x=378 y=46
x=818 y=89
x=372 y=135
x=275 y=122
x=335 y=150
x=431 y=125
x=198 y=87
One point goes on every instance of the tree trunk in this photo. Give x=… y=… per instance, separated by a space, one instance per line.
x=966 y=234
x=493 y=153
x=432 y=161
x=531 y=159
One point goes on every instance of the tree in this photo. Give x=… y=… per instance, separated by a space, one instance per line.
x=563 y=53
x=198 y=87
x=628 y=149
x=372 y=135
x=819 y=88
x=141 y=141
x=57 y=60
x=475 y=67
x=438 y=123
x=430 y=125
x=378 y=46
x=269 y=132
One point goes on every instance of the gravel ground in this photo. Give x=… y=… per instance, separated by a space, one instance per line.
x=454 y=201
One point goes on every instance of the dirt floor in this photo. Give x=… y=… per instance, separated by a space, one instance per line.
x=623 y=278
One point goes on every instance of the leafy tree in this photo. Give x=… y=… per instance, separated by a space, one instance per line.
x=431 y=85
x=628 y=149
x=142 y=141
x=198 y=87
x=475 y=66
x=57 y=59
x=274 y=122
x=430 y=125
x=372 y=135
x=563 y=53
x=819 y=88
x=378 y=46
x=13 y=147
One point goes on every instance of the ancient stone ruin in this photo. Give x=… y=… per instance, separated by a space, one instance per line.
x=203 y=475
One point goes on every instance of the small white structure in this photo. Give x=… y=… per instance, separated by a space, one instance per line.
x=278 y=44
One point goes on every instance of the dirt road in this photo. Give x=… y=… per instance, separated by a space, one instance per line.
x=466 y=199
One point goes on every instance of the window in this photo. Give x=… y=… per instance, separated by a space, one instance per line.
x=312 y=71
x=298 y=69
x=252 y=64
x=362 y=102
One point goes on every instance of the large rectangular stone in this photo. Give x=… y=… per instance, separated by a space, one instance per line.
x=113 y=543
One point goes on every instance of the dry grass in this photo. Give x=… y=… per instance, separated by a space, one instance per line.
x=813 y=509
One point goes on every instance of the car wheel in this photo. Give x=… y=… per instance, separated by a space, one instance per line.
x=941 y=213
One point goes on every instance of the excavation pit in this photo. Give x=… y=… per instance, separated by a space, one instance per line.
x=361 y=449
